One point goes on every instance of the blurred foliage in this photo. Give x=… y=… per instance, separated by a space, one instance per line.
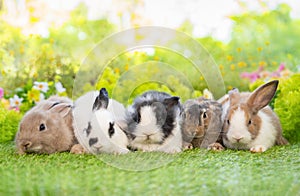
x=258 y=40
x=51 y=59
x=9 y=120
x=287 y=106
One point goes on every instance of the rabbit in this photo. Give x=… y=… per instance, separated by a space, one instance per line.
x=153 y=123
x=47 y=127
x=249 y=123
x=201 y=124
x=97 y=123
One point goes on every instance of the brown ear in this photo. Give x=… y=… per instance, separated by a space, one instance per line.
x=234 y=96
x=61 y=108
x=262 y=96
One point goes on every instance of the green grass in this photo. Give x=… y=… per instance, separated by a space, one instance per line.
x=193 y=172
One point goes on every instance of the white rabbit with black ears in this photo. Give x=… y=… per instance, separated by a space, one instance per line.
x=154 y=123
x=97 y=123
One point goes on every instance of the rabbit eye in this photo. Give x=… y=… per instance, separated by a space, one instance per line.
x=228 y=122
x=249 y=122
x=204 y=115
x=42 y=127
x=137 y=118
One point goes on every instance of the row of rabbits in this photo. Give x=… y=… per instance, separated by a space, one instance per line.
x=156 y=121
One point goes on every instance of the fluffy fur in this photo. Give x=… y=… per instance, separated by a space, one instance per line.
x=154 y=123
x=201 y=122
x=249 y=123
x=98 y=124
x=47 y=127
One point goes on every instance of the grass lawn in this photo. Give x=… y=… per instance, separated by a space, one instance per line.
x=193 y=172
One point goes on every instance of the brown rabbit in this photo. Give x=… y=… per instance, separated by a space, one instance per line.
x=202 y=124
x=47 y=127
x=249 y=123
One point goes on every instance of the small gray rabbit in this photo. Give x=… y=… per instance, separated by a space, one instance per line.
x=202 y=124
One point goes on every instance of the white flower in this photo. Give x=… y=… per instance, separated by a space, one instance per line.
x=15 y=101
x=59 y=87
x=207 y=94
x=42 y=86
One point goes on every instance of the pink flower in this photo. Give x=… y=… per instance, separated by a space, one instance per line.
x=1 y=93
x=281 y=67
x=251 y=76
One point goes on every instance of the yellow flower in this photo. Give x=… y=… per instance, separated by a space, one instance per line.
x=239 y=49
x=33 y=95
x=11 y=53
x=229 y=58
x=242 y=64
x=262 y=63
x=21 y=49
x=201 y=78
x=33 y=19
x=267 y=43
x=221 y=67
x=3 y=73
x=229 y=87
x=232 y=67
x=117 y=70
x=259 y=49
x=126 y=67
x=156 y=58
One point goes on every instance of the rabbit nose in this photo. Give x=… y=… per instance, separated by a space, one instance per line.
x=27 y=144
x=237 y=138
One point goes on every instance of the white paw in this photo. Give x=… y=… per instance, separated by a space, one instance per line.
x=215 y=147
x=258 y=148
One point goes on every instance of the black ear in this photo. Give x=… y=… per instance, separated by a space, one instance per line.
x=172 y=101
x=102 y=100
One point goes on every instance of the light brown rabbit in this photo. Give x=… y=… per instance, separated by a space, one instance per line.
x=47 y=127
x=249 y=123
x=202 y=124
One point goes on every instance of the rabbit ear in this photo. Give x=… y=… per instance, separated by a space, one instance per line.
x=61 y=108
x=234 y=96
x=262 y=96
x=102 y=100
x=172 y=101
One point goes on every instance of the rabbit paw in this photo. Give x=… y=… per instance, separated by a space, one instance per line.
x=215 y=147
x=258 y=148
x=77 y=149
x=187 y=146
